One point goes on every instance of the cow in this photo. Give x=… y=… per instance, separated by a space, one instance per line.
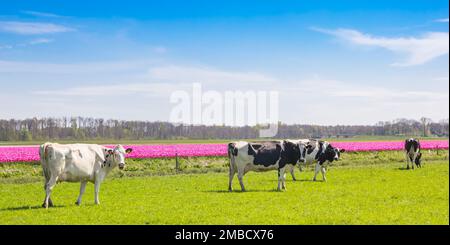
x=321 y=152
x=78 y=163
x=412 y=153
x=302 y=143
x=263 y=156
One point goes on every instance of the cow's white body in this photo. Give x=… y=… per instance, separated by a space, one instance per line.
x=76 y=163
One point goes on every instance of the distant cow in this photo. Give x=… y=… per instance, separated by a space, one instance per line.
x=78 y=163
x=323 y=153
x=412 y=152
x=263 y=156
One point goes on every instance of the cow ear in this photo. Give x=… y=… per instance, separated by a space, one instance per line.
x=129 y=150
x=342 y=150
x=110 y=151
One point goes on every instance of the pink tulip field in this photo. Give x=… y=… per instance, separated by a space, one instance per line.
x=31 y=153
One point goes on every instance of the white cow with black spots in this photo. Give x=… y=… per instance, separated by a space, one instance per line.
x=412 y=153
x=321 y=152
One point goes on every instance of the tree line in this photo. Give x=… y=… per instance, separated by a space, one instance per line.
x=86 y=128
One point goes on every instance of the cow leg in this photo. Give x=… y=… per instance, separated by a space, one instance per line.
x=231 y=176
x=281 y=178
x=316 y=171
x=292 y=170
x=82 y=189
x=407 y=160
x=97 y=190
x=50 y=202
x=324 y=171
x=413 y=161
x=241 y=181
x=51 y=183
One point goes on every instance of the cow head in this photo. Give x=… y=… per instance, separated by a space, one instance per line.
x=116 y=156
x=332 y=154
x=302 y=152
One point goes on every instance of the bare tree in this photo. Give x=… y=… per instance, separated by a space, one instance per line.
x=425 y=122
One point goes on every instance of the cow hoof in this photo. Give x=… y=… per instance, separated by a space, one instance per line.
x=44 y=206
x=77 y=203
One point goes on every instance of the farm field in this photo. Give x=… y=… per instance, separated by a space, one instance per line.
x=30 y=153
x=203 y=141
x=363 y=188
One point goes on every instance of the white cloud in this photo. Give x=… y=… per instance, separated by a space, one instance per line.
x=327 y=102
x=72 y=68
x=444 y=20
x=207 y=75
x=40 y=14
x=32 y=43
x=155 y=81
x=112 y=90
x=40 y=41
x=32 y=28
x=418 y=50
x=89 y=89
x=335 y=88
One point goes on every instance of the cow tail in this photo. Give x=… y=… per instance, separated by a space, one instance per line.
x=44 y=155
x=231 y=155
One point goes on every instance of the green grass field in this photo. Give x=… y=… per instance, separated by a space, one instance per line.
x=363 y=188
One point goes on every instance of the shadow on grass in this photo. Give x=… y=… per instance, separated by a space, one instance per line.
x=294 y=181
x=405 y=169
x=29 y=208
x=239 y=191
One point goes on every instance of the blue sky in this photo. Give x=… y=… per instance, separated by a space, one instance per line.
x=333 y=62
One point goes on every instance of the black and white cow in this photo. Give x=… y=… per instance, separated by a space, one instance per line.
x=412 y=152
x=323 y=153
x=262 y=156
x=302 y=143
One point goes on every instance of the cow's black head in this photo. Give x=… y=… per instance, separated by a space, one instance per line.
x=332 y=154
x=291 y=150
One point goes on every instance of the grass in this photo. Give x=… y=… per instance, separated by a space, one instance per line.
x=364 y=188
